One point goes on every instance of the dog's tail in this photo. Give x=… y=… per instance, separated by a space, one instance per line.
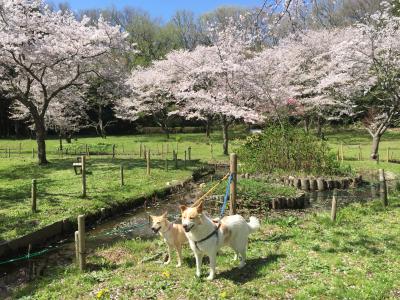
x=254 y=224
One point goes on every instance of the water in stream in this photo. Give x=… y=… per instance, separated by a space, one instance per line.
x=134 y=223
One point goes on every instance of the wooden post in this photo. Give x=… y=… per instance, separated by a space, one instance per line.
x=167 y=149
x=140 y=150
x=113 y=151
x=342 y=153
x=33 y=152
x=81 y=242
x=122 y=175
x=185 y=159
x=33 y=194
x=148 y=162
x=77 y=247
x=387 y=154
x=382 y=187
x=338 y=154
x=190 y=154
x=166 y=163
x=334 y=206
x=233 y=170
x=144 y=152
x=359 y=153
x=83 y=162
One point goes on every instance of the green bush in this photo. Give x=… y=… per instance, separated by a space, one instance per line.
x=288 y=150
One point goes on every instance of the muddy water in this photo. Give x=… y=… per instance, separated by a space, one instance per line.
x=135 y=223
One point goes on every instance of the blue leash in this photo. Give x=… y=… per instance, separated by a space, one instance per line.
x=226 y=197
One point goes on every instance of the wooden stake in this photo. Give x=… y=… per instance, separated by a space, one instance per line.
x=122 y=175
x=81 y=242
x=175 y=154
x=387 y=154
x=140 y=150
x=185 y=160
x=342 y=153
x=33 y=195
x=83 y=162
x=334 y=206
x=77 y=247
x=359 y=153
x=232 y=195
x=382 y=187
x=113 y=151
x=33 y=152
x=190 y=154
x=148 y=162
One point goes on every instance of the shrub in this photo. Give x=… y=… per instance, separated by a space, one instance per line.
x=291 y=150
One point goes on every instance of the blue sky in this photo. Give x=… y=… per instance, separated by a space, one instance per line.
x=161 y=8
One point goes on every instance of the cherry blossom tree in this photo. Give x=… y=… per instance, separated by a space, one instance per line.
x=216 y=84
x=43 y=53
x=364 y=69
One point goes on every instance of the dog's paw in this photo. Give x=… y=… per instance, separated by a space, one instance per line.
x=167 y=262
x=198 y=274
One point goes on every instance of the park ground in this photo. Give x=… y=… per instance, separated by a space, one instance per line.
x=293 y=256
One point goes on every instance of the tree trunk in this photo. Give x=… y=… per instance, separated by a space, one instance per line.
x=61 y=143
x=319 y=128
x=208 y=127
x=100 y=122
x=68 y=138
x=40 y=130
x=306 y=124
x=376 y=138
x=225 y=126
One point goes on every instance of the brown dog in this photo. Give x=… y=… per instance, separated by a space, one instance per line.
x=173 y=234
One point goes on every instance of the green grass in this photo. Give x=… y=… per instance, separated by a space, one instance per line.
x=255 y=189
x=305 y=257
x=353 y=138
x=59 y=189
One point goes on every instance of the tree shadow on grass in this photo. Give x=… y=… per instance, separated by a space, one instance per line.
x=251 y=270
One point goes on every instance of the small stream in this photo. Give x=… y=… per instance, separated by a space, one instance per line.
x=135 y=223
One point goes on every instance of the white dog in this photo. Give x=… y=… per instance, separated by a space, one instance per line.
x=207 y=237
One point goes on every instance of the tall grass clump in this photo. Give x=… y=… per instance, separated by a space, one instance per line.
x=288 y=150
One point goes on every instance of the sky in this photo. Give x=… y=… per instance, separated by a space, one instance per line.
x=160 y=8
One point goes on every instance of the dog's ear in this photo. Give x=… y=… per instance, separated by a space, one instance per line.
x=165 y=214
x=199 y=207
x=183 y=208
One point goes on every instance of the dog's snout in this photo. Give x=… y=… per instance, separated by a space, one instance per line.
x=185 y=226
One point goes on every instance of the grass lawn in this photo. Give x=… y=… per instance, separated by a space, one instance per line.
x=59 y=189
x=353 y=138
x=300 y=257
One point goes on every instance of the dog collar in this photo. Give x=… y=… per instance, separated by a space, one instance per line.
x=215 y=231
x=169 y=227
